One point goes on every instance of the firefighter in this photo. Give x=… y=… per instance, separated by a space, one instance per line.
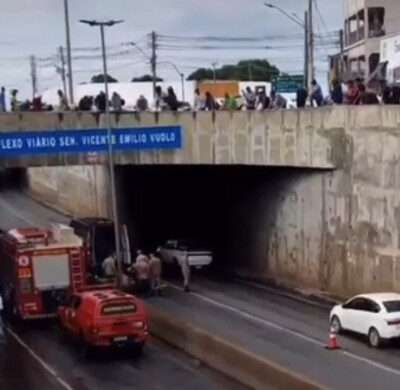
x=155 y=273
x=140 y=256
x=142 y=272
x=109 y=267
x=185 y=268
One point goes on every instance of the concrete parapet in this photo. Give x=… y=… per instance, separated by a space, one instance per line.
x=274 y=138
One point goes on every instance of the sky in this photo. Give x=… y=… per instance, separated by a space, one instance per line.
x=36 y=27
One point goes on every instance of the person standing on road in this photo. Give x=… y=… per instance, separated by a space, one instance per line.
x=155 y=272
x=142 y=271
x=185 y=268
x=140 y=256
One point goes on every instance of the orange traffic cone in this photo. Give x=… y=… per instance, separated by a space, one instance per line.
x=333 y=343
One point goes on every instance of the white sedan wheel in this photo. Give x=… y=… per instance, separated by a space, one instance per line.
x=374 y=338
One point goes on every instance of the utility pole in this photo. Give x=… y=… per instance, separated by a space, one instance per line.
x=341 y=59
x=62 y=70
x=33 y=76
x=311 y=46
x=249 y=70
x=154 y=60
x=69 y=55
x=306 y=59
x=114 y=199
x=183 y=86
x=214 y=67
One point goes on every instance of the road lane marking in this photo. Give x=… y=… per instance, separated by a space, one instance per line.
x=292 y=332
x=35 y=356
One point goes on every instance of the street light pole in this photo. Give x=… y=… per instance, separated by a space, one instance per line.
x=293 y=18
x=308 y=39
x=114 y=201
x=181 y=75
x=183 y=87
x=311 y=43
x=214 y=67
x=69 y=55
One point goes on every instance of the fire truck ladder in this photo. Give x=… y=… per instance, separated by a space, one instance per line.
x=77 y=271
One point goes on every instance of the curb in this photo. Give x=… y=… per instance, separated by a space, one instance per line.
x=231 y=360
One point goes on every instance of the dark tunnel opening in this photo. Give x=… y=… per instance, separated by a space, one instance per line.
x=13 y=178
x=232 y=210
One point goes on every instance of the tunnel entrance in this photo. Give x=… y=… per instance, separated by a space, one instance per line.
x=236 y=211
x=13 y=178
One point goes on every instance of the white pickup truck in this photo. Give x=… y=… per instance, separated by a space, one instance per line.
x=174 y=251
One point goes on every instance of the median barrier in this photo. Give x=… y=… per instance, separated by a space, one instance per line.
x=231 y=360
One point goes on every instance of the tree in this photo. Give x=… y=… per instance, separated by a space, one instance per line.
x=146 y=78
x=97 y=79
x=246 y=70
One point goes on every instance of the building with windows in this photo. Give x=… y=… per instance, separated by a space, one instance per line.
x=366 y=23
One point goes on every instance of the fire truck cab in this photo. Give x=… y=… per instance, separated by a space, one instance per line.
x=39 y=268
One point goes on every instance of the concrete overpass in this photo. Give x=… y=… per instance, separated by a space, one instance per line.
x=239 y=138
x=306 y=198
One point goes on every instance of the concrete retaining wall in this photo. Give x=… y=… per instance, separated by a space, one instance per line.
x=80 y=191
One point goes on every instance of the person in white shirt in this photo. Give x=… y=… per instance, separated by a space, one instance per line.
x=109 y=267
x=198 y=103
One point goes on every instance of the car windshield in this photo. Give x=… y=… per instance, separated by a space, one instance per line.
x=118 y=308
x=392 y=306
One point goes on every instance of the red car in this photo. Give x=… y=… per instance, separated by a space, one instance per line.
x=106 y=318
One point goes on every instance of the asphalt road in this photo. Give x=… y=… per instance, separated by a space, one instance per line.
x=284 y=329
x=36 y=358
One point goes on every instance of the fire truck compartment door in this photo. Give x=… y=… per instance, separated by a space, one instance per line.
x=51 y=272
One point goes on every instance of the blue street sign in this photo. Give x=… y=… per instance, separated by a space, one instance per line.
x=91 y=140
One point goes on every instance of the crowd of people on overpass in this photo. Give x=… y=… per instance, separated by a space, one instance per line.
x=353 y=92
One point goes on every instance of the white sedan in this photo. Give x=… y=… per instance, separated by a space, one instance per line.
x=374 y=315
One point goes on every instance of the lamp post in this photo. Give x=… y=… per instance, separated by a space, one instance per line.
x=308 y=42
x=293 y=18
x=181 y=75
x=114 y=205
x=69 y=55
x=214 y=68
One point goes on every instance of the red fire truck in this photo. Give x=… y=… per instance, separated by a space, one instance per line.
x=38 y=269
